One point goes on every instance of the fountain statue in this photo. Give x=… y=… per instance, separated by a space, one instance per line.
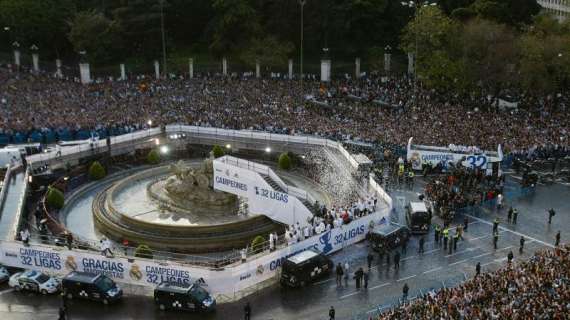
x=195 y=185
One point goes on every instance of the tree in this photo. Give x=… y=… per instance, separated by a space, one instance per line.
x=55 y=198
x=143 y=251
x=234 y=23
x=140 y=22
x=153 y=157
x=217 y=151
x=490 y=54
x=96 y=171
x=43 y=23
x=99 y=36
x=435 y=37
x=284 y=161
x=269 y=51
x=257 y=244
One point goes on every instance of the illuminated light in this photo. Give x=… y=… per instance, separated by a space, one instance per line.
x=164 y=149
x=228 y=146
x=268 y=149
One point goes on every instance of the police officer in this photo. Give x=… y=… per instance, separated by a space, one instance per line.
x=445 y=237
x=331 y=313
x=510 y=214
x=495 y=225
x=521 y=244
x=551 y=213
x=405 y=290
x=369 y=259
x=411 y=177
x=421 y=249
x=478 y=269
x=397 y=261
x=455 y=240
x=557 y=243
x=510 y=257
x=436 y=235
x=515 y=216
x=247 y=311
x=465 y=223
x=495 y=239
x=339 y=274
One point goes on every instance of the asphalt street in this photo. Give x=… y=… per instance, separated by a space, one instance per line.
x=432 y=270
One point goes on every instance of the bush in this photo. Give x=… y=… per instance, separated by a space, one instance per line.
x=217 y=151
x=55 y=198
x=143 y=251
x=284 y=161
x=257 y=244
x=96 y=171
x=153 y=157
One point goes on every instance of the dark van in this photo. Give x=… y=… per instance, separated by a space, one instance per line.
x=191 y=297
x=386 y=237
x=305 y=267
x=418 y=217
x=90 y=286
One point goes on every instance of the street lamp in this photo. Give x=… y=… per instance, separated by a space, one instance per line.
x=417 y=5
x=302 y=3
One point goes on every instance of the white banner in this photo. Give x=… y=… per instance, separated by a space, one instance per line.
x=58 y=261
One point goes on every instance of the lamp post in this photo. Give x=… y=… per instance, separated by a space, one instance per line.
x=163 y=38
x=302 y=3
x=16 y=46
x=35 y=58
x=417 y=5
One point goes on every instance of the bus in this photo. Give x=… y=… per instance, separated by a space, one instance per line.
x=471 y=157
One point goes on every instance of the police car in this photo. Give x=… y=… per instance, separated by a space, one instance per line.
x=191 y=297
x=91 y=286
x=305 y=267
x=4 y=274
x=34 y=281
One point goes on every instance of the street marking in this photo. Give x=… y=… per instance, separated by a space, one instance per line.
x=482 y=255
x=406 y=278
x=459 y=252
x=458 y=262
x=380 y=286
x=324 y=281
x=430 y=251
x=432 y=270
x=514 y=232
x=483 y=237
x=350 y=294
x=408 y=258
x=505 y=248
x=7 y=291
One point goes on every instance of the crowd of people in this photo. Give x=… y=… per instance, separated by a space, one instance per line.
x=41 y=102
x=534 y=289
x=461 y=187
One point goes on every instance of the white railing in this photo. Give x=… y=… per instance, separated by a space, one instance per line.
x=380 y=191
x=21 y=204
x=95 y=146
x=5 y=187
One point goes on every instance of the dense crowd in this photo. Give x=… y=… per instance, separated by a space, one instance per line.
x=460 y=187
x=40 y=102
x=534 y=289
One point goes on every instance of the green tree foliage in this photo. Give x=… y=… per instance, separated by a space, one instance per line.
x=43 y=23
x=489 y=53
x=257 y=244
x=55 y=198
x=269 y=51
x=545 y=56
x=435 y=38
x=96 y=171
x=99 y=36
x=153 y=157
x=284 y=161
x=217 y=151
x=235 y=21
x=141 y=25
x=143 y=251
